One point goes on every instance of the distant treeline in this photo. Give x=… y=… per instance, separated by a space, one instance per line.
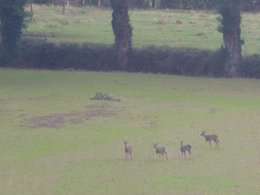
x=246 y=5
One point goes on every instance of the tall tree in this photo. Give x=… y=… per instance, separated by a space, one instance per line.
x=230 y=20
x=122 y=32
x=11 y=18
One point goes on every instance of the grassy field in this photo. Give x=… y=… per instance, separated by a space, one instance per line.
x=56 y=140
x=150 y=27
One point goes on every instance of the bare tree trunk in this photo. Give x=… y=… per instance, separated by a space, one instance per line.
x=63 y=7
x=153 y=3
x=99 y=2
x=122 y=31
x=230 y=27
x=183 y=4
x=31 y=9
x=232 y=44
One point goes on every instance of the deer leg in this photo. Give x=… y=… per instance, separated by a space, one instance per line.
x=210 y=144
x=217 y=144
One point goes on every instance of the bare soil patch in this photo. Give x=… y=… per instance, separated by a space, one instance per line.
x=57 y=120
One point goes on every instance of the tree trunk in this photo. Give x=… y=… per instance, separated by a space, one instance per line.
x=183 y=4
x=232 y=43
x=231 y=30
x=122 y=31
x=31 y=9
x=153 y=3
x=63 y=7
x=99 y=3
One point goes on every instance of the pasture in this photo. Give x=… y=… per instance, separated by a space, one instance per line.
x=171 y=28
x=56 y=140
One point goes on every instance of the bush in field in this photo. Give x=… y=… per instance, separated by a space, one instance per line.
x=105 y=97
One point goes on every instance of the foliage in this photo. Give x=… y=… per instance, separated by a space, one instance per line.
x=43 y=55
x=11 y=17
x=249 y=66
x=180 y=61
x=228 y=20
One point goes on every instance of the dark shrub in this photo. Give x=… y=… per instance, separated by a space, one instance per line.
x=250 y=66
x=181 y=61
x=44 y=55
x=40 y=54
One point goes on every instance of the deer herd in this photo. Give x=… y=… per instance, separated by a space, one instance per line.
x=161 y=151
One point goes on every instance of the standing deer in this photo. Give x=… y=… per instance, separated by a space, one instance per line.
x=185 y=148
x=208 y=138
x=128 y=150
x=160 y=150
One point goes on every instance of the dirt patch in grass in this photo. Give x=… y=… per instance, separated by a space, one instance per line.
x=57 y=120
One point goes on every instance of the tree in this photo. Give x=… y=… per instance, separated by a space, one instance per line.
x=230 y=19
x=122 y=31
x=11 y=18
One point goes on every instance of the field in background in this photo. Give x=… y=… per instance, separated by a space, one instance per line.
x=56 y=140
x=150 y=27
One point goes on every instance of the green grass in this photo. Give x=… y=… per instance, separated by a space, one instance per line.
x=83 y=152
x=150 y=27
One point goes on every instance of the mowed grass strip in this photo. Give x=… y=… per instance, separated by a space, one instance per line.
x=173 y=28
x=83 y=153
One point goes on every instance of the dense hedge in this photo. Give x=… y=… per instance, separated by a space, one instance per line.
x=43 y=55
x=180 y=61
x=250 y=66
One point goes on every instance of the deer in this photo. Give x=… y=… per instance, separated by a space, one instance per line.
x=208 y=138
x=128 y=149
x=160 y=150
x=184 y=149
